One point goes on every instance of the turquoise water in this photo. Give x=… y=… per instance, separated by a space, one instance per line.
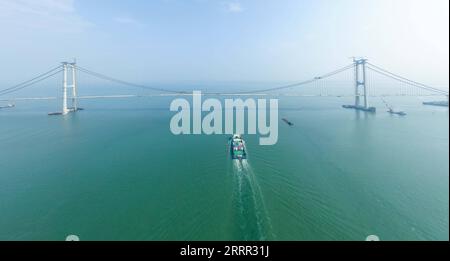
x=116 y=172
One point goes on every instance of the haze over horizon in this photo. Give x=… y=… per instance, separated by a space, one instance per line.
x=209 y=41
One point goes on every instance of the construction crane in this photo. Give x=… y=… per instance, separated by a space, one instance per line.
x=391 y=110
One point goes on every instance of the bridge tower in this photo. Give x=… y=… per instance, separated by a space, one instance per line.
x=360 y=82
x=361 y=90
x=69 y=68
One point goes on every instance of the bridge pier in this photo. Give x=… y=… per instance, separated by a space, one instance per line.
x=360 y=87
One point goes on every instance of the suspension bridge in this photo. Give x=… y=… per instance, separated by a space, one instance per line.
x=360 y=79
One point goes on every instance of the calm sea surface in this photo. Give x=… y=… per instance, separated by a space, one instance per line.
x=115 y=172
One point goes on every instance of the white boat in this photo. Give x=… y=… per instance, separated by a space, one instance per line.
x=10 y=105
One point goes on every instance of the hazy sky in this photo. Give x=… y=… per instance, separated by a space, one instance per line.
x=208 y=40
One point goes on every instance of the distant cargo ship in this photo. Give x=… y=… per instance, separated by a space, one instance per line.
x=437 y=103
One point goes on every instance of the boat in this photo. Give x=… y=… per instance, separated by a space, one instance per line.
x=8 y=106
x=288 y=122
x=437 y=103
x=237 y=147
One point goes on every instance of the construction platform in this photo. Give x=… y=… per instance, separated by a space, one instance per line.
x=68 y=111
x=360 y=108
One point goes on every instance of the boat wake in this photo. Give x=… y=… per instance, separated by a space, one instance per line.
x=251 y=213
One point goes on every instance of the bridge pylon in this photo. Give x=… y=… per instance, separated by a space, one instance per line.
x=69 y=68
x=361 y=90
